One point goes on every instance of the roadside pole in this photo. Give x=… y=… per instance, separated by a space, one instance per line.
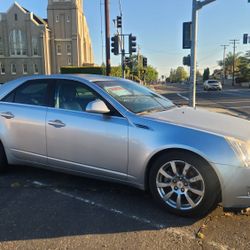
x=224 y=62
x=107 y=28
x=192 y=99
x=197 y=5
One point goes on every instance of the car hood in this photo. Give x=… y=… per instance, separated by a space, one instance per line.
x=202 y=119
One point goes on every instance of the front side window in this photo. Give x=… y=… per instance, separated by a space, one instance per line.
x=73 y=96
x=33 y=93
x=135 y=97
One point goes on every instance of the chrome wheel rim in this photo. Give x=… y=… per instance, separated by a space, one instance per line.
x=180 y=185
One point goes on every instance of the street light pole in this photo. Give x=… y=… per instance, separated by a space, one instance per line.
x=197 y=5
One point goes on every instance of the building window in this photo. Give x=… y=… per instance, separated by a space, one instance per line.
x=57 y=19
x=1 y=47
x=68 y=19
x=13 y=69
x=15 y=17
x=25 y=69
x=36 y=71
x=59 y=49
x=34 y=46
x=68 y=49
x=17 y=42
x=69 y=61
x=2 y=69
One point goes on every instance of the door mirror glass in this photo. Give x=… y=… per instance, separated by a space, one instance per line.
x=97 y=106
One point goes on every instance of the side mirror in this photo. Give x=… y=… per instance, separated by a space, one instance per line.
x=97 y=106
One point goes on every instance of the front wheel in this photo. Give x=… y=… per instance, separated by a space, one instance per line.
x=184 y=184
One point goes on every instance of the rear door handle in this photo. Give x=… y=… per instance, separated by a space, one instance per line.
x=57 y=123
x=7 y=115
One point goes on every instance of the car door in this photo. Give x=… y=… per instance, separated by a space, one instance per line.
x=87 y=142
x=22 y=118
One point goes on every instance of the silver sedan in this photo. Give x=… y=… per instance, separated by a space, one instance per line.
x=114 y=129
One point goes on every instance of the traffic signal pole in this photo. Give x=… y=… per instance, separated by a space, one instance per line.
x=197 y=5
x=107 y=28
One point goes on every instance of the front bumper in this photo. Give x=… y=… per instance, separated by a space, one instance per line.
x=235 y=186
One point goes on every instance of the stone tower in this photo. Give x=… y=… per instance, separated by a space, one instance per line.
x=70 y=39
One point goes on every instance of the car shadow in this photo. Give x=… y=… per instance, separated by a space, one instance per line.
x=38 y=204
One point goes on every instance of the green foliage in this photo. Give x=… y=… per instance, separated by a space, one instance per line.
x=206 y=74
x=82 y=70
x=178 y=75
x=243 y=72
x=96 y=70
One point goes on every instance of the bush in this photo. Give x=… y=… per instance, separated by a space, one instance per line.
x=83 y=70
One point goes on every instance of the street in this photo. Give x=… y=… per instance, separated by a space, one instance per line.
x=231 y=100
x=42 y=209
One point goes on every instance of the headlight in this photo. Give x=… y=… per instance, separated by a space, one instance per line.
x=241 y=148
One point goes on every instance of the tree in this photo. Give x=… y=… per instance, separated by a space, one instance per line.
x=181 y=74
x=229 y=60
x=178 y=75
x=243 y=72
x=151 y=74
x=206 y=74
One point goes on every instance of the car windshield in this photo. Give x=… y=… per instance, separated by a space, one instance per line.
x=212 y=81
x=135 y=97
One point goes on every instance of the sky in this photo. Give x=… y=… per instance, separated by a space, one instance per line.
x=157 y=24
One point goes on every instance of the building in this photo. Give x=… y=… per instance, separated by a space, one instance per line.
x=32 y=45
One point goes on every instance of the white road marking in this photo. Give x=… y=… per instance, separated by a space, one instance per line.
x=171 y=230
x=182 y=96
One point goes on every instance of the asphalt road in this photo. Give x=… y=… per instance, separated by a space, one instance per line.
x=40 y=209
x=233 y=99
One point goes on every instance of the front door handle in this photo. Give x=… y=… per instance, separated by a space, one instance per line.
x=57 y=123
x=7 y=115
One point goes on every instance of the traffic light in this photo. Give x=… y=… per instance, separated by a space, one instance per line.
x=145 y=62
x=127 y=62
x=115 y=45
x=187 y=60
x=245 y=38
x=118 y=21
x=132 y=44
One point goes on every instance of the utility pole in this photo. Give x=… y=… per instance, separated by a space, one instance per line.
x=234 y=42
x=107 y=28
x=224 y=61
x=197 y=5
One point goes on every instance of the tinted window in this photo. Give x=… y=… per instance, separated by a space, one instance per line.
x=33 y=93
x=73 y=96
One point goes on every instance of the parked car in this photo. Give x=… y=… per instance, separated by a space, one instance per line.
x=212 y=85
x=115 y=129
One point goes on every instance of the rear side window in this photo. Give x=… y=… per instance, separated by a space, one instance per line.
x=32 y=92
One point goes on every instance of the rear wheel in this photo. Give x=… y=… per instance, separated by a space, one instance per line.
x=3 y=159
x=184 y=184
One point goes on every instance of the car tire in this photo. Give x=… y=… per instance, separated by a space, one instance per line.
x=192 y=192
x=3 y=159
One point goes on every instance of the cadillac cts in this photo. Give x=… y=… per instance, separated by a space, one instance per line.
x=114 y=129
